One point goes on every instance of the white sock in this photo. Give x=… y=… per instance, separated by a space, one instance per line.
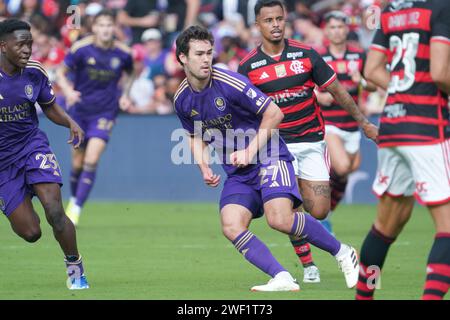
x=77 y=209
x=342 y=251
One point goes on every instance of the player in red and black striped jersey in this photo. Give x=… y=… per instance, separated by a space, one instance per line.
x=342 y=132
x=414 y=141
x=288 y=71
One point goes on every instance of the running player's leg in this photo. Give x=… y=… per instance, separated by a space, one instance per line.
x=438 y=265
x=392 y=215
x=341 y=166
x=395 y=186
x=49 y=195
x=94 y=149
x=25 y=221
x=301 y=247
x=239 y=205
x=15 y=202
x=77 y=168
x=98 y=131
x=280 y=195
x=316 y=197
x=313 y=178
x=77 y=161
x=431 y=169
x=72 y=209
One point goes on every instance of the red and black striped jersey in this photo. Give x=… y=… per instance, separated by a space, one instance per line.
x=416 y=111
x=290 y=82
x=353 y=59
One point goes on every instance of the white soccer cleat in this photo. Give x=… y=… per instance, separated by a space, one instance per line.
x=283 y=281
x=73 y=212
x=311 y=274
x=349 y=265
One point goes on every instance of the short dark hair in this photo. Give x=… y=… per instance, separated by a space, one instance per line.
x=105 y=13
x=8 y=26
x=267 y=3
x=191 y=33
x=336 y=14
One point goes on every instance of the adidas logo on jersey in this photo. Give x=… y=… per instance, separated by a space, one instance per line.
x=264 y=76
x=274 y=185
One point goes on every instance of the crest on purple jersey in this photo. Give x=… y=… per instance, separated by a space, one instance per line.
x=220 y=103
x=29 y=91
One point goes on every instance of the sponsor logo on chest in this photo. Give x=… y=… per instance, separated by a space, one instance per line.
x=258 y=64
x=294 y=55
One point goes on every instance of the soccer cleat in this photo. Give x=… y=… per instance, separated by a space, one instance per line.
x=349 y=265
x=281 y=282
x=311 y=274
x=77 y=283
x=73 y=212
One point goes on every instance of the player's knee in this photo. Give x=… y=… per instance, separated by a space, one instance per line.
x=280 y=222
x=318 y=210
x=231 y=232
x=32 y=235
x=320 y=213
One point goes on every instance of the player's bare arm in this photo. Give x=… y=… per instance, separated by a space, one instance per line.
x=375 y=69
x=346 y=101
x=125 y=102
x=57 y=115
x=271 y=118
x=199 y=150
x=72 y=96
x=440 y=65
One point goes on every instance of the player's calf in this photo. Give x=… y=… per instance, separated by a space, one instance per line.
x=55 y=216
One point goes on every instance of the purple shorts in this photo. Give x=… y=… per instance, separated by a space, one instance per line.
x=273 y=181
x=96 y=127
x=16 y=181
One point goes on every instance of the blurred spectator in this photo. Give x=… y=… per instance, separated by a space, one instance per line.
x=308 y=32
x=139 y=15
x=154 y=24
x=366 y=31
x=241 y=8
x=155 y=55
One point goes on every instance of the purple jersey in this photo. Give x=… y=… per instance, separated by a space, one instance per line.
x=19 y=132
x=230 y=103
x=96 y=73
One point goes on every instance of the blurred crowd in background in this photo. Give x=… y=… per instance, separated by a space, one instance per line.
x=150 y=27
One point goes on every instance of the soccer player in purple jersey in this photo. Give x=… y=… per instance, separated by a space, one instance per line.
x=97 y=63
x=28 y=166
x=223 y=108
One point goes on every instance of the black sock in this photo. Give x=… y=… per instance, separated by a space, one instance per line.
x=373 y=253
x=438 y=268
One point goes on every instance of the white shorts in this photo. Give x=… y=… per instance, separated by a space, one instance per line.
x=422 y=171
x=312 y=161
x=351 y=139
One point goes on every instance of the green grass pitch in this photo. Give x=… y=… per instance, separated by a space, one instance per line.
x=177 y=251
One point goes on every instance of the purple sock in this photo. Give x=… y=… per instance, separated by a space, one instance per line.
x=74 y=178
x=308 y=228
x=85 y=184
x=256 y=252
x=74 y=269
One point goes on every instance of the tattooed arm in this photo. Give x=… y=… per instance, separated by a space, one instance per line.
x=344 y=99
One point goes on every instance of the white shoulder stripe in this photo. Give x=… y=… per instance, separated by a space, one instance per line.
x=229 y=83
x=217 y=72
